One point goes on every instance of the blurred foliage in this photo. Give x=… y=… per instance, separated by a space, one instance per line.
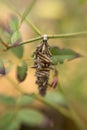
x=59 y=55
x=51 y=17
x=22 y=71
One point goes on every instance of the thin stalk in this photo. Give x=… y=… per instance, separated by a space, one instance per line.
x=12 y=6
x=33 y=26
x=28 y=41
x=54 y=106
x=15 y=85
x=4 y=44
x=39 y=98
x=68 y=35
x=69 y=114
x=73 y=114
x=27 y=11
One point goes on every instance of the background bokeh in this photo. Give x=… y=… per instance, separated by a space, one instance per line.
x=52 y=17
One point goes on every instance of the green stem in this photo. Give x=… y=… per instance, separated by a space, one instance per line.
x=68 y=113
x=15 y=85
x=33 y=27
x=27 y=11
x=54 y=106
x=28 y=41
x=39 y=98
x=12 y=6
x=31 y=40
x=4 y=44
x=31 y=24
x=73 y=114
x=68 y=35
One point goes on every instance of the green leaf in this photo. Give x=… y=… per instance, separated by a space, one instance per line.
x=9 y=121
x=26 y=100
x=59 y=55
x=7 y=37
x=55 y=97
x=16 y=38
x=14 y=124
x=18 y=51
x=22 y=71
x=14 y=23
x=7 y=100
x=2 y=67
x=5 y=120
x=27 y=11
x=31 y=117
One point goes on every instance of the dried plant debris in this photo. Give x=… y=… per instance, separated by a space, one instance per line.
x=42 y=64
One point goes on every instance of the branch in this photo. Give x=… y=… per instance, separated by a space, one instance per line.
x=67 y=35
x=56 y=107
x=28 y=41
x=74 y=115
x=39 y=98
x=4 y=44
x=68 y=113
x=27 y=11
x=34 y=27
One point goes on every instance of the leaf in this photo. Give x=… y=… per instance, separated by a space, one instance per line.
x=55 y=97
x=7 y=37
x=2 y=68
x=9 y=122
x=31 y=117
x=7 y=100
x=15 y=41
x=26 y=100
x=18 y=51
x=14 y=125
x=16 y=38
x=27 y=11
x=22 y=71
x=5 y=120
x=59 y=55
x=13 y=23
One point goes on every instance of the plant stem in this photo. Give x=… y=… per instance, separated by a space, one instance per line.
x=12 y=6
x=27 y=11
x=4 y=44
x=33 y=26
x=31 y=40
x=28 y=41
x=73 y=114
x=39 y=98
x=15 y=85
x=68 y=35
x=54 y=106
x=67 y=113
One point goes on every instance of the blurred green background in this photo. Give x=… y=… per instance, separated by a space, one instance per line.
x=53 y=17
